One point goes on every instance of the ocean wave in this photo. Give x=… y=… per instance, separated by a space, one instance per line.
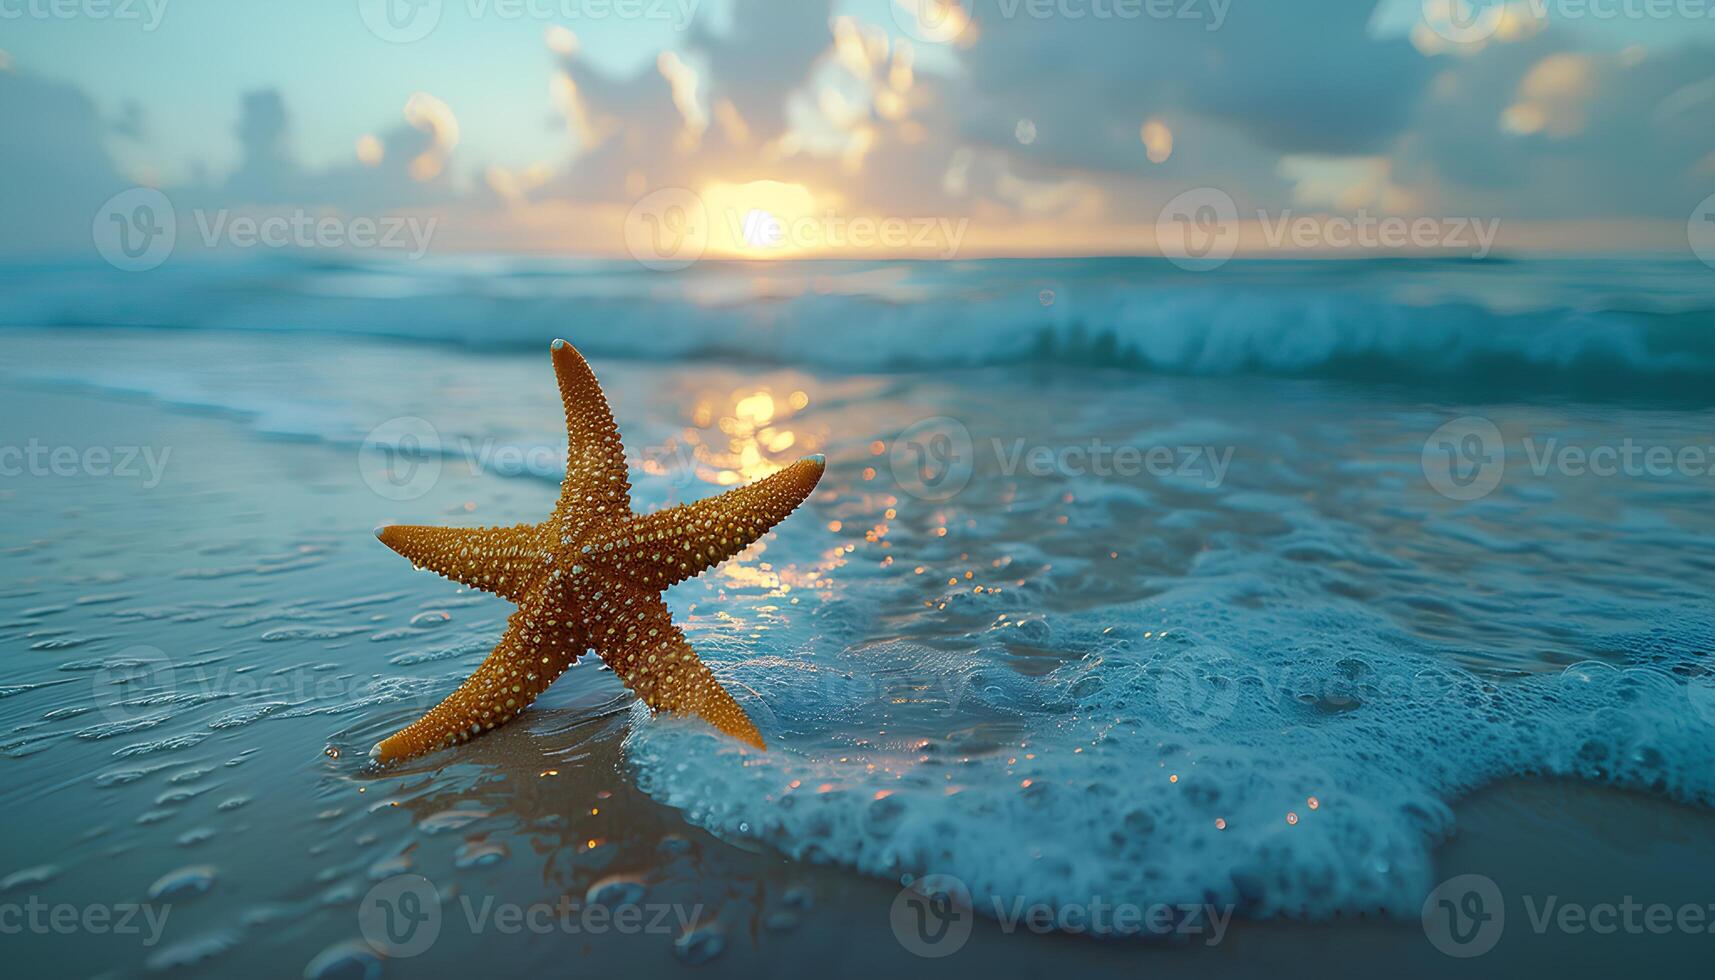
x=1580 y=329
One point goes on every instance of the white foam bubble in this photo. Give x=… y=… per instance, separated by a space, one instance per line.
x=1296 y=763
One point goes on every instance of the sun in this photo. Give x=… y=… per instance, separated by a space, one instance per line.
x=762 y=229
x=764 y=219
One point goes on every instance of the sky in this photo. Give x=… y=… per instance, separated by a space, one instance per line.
x=870 y=127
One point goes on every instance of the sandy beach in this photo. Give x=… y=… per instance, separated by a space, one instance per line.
x=204 y=652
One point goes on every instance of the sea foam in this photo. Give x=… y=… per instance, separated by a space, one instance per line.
x=1299 y=764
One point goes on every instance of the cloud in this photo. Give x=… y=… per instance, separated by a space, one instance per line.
x=1041 y=129
x=768 y=52
x=1532 y=130
x=1291 y=78
x=54 y=160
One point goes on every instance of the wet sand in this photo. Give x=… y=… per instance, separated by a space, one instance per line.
x=548 y=809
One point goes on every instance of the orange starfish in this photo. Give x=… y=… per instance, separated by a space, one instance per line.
x=591 y=576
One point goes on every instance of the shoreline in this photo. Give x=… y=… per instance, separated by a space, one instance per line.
x=490 y=822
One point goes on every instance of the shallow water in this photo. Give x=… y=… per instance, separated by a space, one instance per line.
x=1058 y=632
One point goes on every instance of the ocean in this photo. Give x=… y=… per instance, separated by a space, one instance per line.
x=1217 y=595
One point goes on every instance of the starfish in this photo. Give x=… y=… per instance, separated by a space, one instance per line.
x=591 y=577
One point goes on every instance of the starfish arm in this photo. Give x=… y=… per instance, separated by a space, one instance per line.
x=597 y=485
x=502 y=560
x=540 y=642
x=652 y=657
x=670 y=546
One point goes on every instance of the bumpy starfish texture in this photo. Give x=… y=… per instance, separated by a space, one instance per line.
x=591 y=577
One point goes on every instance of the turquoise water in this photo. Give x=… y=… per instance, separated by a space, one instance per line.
x=1122 y=583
